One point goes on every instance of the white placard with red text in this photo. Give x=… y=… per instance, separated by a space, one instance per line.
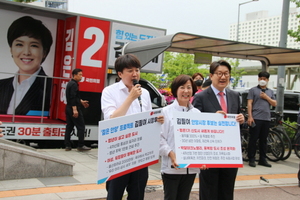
x=209 y=139
x=127 y=144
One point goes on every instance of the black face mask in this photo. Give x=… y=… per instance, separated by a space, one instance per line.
x=198 y=82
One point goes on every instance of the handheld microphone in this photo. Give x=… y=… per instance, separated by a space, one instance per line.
x=263 y=90
x=263 y=179
x=134 y=82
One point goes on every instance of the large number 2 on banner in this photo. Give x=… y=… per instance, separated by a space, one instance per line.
x=86 y=58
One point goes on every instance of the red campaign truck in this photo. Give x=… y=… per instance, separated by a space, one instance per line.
x=79 y=41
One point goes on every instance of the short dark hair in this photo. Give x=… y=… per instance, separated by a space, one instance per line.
x=216 y=64
x=126 y=61
x=197 y=74
x=181 y=80
x=28 y=26
x=264 y=74
x=207 y=83
x=76 y=71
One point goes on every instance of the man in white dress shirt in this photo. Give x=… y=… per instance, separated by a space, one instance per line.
x=121 y=99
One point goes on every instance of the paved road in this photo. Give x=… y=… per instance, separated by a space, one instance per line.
x=283 y=182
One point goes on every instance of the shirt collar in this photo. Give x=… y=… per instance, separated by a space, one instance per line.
x=121 y=85
x=216 y=91
x=258 y=86
x=182 y=108
x=30 y=80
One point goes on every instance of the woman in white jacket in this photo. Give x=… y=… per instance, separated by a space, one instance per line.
x=177 y=182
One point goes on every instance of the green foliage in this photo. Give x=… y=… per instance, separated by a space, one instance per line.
x=153 y=78
x=290 y=131
x=295 y=34
x=176 y=64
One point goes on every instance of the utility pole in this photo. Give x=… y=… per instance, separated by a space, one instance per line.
x=281 y=69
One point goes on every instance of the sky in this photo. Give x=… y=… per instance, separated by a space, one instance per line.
x=201 y=17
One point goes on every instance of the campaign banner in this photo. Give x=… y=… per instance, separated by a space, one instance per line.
x=127 y=144
x=67 y=63
x=122 y=33
x=210 y=139
x=16 y=131
x=93 y=36
x=27 y=48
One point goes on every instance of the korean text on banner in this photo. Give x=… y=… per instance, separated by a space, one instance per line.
x=210 y=139
x=127 y=144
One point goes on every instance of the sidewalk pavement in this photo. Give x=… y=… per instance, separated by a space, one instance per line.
x=282 y=177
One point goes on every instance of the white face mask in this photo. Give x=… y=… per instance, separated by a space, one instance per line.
x=262 y=83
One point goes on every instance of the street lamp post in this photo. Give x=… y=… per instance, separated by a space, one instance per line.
x=238 y=23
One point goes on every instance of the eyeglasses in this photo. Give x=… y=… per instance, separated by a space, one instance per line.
x=220 y=74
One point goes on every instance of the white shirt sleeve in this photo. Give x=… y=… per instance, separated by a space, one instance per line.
x=164 y=148
x=108 y=103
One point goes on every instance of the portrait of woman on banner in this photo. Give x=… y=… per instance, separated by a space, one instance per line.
x=28 y=92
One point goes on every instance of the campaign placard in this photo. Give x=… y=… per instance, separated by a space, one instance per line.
x=210 y=139
x=127 y=144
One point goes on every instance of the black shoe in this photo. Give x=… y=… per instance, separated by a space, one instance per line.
x=252 y=163
x=68 y=149
x=83 y=148
x=264 y=163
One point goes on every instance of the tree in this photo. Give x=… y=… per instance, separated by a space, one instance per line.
x=153 y=78
x=180 y=63
x=295 y=34
x=236 y=72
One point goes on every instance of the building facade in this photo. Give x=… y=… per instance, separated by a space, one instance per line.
x=56 y=4
x=259 y=28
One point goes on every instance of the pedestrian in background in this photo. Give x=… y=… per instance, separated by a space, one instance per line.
x=218 y=183
x=206 y=84
x=260 y=98
x=74 y=115
x=177 y=182
x=198 y=80
x=121 y=99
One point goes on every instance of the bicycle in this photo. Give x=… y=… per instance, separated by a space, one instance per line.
x=275 y=145
x=289 y=144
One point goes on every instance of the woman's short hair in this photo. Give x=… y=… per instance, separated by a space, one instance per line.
x=126 y=61
x=181 y=80
x=216 y=64
x=33 y=28
x=197 y=74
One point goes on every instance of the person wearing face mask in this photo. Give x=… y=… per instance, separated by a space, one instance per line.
x=198 y=80
x=260 y=98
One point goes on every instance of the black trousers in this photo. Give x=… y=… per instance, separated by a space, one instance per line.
x=217 y=183
x=134 y=182
x=260 y=131
x=71 y=122
x=177 y=186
